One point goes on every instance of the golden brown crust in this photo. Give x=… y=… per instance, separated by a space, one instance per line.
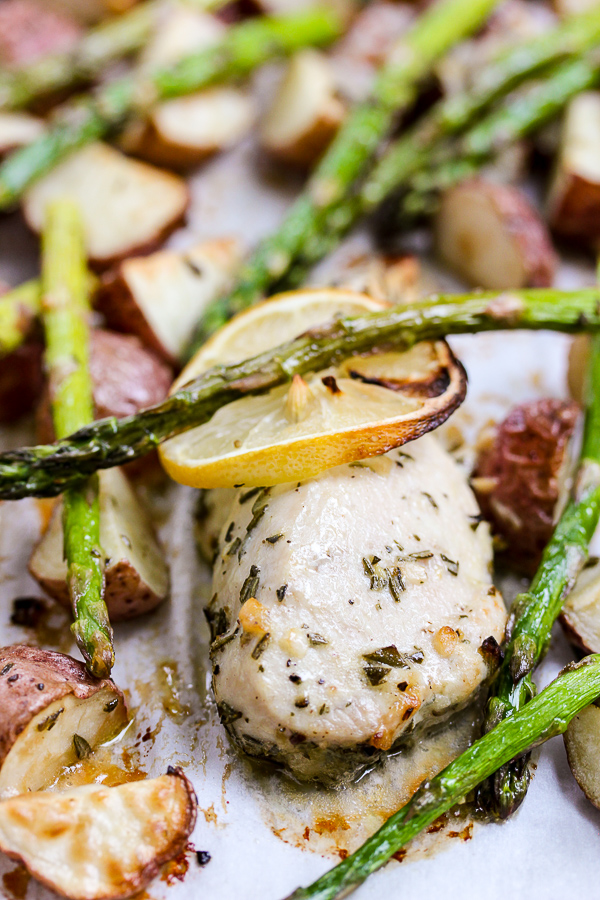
x=31 y=679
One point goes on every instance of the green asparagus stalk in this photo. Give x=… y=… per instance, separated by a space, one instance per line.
x=545 y=717
x=305 y=238
x=425 y=170
x=48 y=470
x=243 y=48
x=533 y=614
x=333 y=181
x=65 y=312
x=517 y=118
x=19 y=308
x=107 y=42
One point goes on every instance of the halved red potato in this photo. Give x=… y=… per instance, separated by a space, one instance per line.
x=305 y=113
x=21 y=381
x=580 y=617
x=161 y=297
x=520 y=476
x=17 y=130
x=127 y=206
x=573 y=7
x=491 y=235
x=582 y=743
x=183 y=132
x=53 y=713
x=100 y=843
x=574 y=197
x=136 y=573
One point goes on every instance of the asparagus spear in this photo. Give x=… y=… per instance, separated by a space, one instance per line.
x=109 y=41
x=244 y=47
x=533 y=614
x=48 y=470
x=518 y=117
x=304 y=238
x=65 y=310
x=546 y=716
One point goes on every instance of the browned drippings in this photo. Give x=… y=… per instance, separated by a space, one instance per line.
x=16 y=882
x=108 y=765
x=176 y=869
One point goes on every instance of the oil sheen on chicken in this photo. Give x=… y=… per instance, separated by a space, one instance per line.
x=350 y=610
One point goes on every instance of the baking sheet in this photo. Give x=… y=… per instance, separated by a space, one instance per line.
x=249 y=821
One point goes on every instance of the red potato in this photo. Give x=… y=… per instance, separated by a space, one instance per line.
x=18 y=130
x=580 y=617
x=21 y=381
x=574 y=197
x=136 y=573
x=127 y=206
x=185 y=30
x=30 y=30
x=305 y=113
x=184 y=132
x=520 y=475
x=574 y=7
x=491 y=235
x=582 y=743
x=95 y=842
x=161 y=297
x=126 y=377
x=47 y=699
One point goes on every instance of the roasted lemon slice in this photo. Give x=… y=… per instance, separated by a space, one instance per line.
x=361 y=408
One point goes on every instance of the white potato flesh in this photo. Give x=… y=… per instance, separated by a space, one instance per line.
x=295 y=566
x=582 y=742
x=574 y=7
x=581 y=613
x=94 y=842
x=126 y=205
x=137 y=577
x=57 y=737
x=183 y=31
x=574 y=197
x=200 y=124
x=161 y=297
x=305 y=113
x=17 y=130
x=492 y=236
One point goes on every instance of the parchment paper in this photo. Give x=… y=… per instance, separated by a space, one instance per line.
x=550 y=849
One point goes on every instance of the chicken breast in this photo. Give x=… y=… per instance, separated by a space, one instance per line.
x=351 y=609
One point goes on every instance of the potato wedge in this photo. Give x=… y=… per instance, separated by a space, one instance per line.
x=520 y=477
x=491 y=236
x=161 y=297
x=18 y=130
x=183 y=31
x=183 y=132
x=100 y=843
x=580 y=617
x=126 y=377
x=582 y=743
x=21 y=381
x=574 y=197
x=305 y=113
x=53 y=712
x=579 y=354
x=30 y=30
x=127 y=206
x=574 y=7
x=137 y=578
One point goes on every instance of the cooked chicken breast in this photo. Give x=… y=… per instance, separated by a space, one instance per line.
x=350 y=609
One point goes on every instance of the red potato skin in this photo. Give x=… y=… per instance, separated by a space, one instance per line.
x=527 y=227
x=576 y=212
x=525 y=459
x=126 y=376
x=28 y=31
x=31 y=679
x=21 y=381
